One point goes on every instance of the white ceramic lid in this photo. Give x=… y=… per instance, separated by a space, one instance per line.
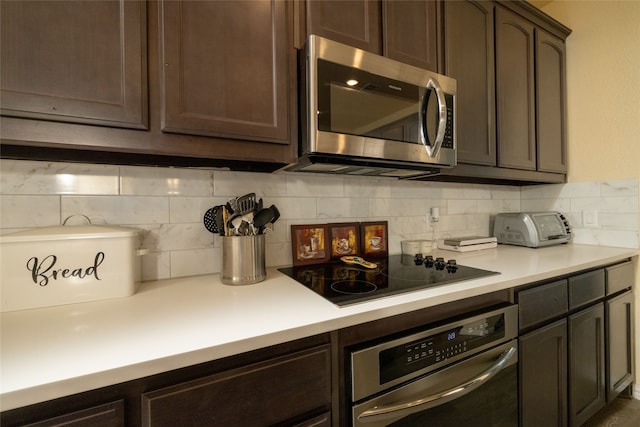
x=68 y=232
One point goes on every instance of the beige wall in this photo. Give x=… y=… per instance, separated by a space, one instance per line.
x=603 y=87
x=603 y=92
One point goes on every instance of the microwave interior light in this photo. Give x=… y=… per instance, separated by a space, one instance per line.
x=352 y=82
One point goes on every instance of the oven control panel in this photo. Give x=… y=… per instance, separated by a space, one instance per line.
x=416 y=355
x=453 y=342
x=384 y=363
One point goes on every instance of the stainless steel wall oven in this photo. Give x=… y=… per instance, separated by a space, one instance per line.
x=461 y=373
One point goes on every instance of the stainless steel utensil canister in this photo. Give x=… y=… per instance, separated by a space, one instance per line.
x=243 y=260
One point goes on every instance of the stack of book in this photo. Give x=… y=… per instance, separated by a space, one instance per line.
x=467 y=243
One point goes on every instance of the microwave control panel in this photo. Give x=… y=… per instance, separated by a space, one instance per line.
x=447 y=142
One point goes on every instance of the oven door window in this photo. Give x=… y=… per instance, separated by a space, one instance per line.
x=354 y=102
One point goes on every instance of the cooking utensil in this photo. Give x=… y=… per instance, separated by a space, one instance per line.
x=220 y=220
x=246 y=203
x=234 y=224
x=276 y=214
x=241 y=224
x=210 y=219
x=225 y=220
x=262 y=218
x=231 y=207
x=266 y=216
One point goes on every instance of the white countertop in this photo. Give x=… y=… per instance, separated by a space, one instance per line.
x=57 y=351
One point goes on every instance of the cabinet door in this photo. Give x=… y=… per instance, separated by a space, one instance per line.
x=543 y=376
x=515 y=91
x=620 y=344
x=356 y=23
x=542 y=303
x=268 y=393
x=411 y=32
x=551 y=103
x=469 y=58
x=323 y=420
x=108 y=415
x=224 y=69
x=586 y=364
x=619 y=277
x=75 y=61
x=586 y=288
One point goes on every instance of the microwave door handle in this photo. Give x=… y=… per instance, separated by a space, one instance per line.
x=400 y=410
x=432 y=150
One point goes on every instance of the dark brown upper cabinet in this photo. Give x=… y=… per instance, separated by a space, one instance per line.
x=515 y=91
x=75 y=61
x=551 y=102
x=411 y=32
x=407 y=31
x=469 y=58
x=531 y=92
x=356 y=23
x=508 y=59
x=221 y=82
x=225 y=69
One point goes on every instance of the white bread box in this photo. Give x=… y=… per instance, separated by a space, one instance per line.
x=67 y=264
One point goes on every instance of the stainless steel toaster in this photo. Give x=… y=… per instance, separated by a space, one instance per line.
x=532 y=229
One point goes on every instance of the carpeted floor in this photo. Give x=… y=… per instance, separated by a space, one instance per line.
x=621 y=412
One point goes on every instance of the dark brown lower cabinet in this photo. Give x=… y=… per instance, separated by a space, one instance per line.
x=323 y=420
x=543 y=376
x=576 y=345
x=586 y=364
x=272 y=392
x=285 y=384
x=107 y=415
x=619 y=315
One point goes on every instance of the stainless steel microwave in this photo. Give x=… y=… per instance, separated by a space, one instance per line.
x=364 y=114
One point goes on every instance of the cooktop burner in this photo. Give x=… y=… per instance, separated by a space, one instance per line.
x=344 y=284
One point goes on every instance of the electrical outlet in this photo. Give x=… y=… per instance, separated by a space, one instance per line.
x=434 y=214
x=590 y=218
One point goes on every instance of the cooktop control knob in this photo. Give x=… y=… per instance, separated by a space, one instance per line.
x=428 y=261
x=439 y=263
x=418 y=259
x=452 y=266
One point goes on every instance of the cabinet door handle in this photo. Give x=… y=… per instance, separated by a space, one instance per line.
x=433 y=150
x=402 y=409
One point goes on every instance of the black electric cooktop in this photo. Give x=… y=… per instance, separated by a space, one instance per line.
x=344 y=284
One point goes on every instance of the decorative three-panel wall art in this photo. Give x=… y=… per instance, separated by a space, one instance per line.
x=320 y=243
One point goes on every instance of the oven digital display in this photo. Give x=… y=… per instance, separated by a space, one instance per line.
x=398 y=361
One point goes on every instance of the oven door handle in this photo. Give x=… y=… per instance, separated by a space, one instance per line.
x=400 y=410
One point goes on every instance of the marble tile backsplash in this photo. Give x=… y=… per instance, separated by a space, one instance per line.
x=601 y=213
x=167 y=204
